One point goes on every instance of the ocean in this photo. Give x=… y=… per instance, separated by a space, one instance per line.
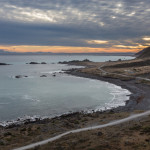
x=51 y=96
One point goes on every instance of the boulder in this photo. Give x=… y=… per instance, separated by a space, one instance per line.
x=43 y=63
x=43 y=75
x=21 y=76
x=99 y=133
x=33 y=63
x=18 y=76
x=3 y=64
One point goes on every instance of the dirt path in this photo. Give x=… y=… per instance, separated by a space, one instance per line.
x=84 y=129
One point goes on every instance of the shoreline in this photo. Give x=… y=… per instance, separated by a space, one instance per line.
x=130 y=105
x=27 y=119
x=37 y=118
x=33 y=131
x=139 y=92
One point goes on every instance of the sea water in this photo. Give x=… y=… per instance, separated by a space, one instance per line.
x=51 y=96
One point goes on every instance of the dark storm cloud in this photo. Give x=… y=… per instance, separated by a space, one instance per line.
x=73 y=22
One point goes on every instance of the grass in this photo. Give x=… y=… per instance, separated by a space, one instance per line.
x=136 y=127
x=7 y=134
x=146 y=129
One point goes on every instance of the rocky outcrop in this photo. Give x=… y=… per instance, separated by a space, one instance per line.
x=54 y=75
x=43 y=76
x=74 y=61
x=145 y=53
x=35 y=63
x=21 y=76
x=4 y=64
x=43 y=63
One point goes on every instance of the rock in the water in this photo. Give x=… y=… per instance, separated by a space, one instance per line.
x=3 y=64
x=21 y=76
x=86 y=60
x=43 y=76
x=54 y=75
x=18 y=76
x=43 y=63
x=33 y=63
x=74 y=62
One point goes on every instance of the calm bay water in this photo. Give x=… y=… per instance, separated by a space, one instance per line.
x=52 y=96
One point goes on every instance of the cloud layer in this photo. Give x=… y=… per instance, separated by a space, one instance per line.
x=77 y=23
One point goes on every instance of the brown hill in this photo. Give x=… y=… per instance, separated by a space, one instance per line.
x=145 y=53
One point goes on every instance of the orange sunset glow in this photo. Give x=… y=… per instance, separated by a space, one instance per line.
x=67 y=49
x=75 y=27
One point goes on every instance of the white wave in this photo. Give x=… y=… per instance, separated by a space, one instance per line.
x=27 y=118
x=28 y=97
x=51 y=72
x=21 y=120
x=30 y=77
x=13 y=77
x=120 y=96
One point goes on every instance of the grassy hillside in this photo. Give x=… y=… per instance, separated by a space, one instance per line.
x=144 y=53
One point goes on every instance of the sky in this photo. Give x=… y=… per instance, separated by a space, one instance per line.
x=74 y=25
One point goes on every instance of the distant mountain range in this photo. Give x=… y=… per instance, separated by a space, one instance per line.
x=144 y=53
x=4 y=52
